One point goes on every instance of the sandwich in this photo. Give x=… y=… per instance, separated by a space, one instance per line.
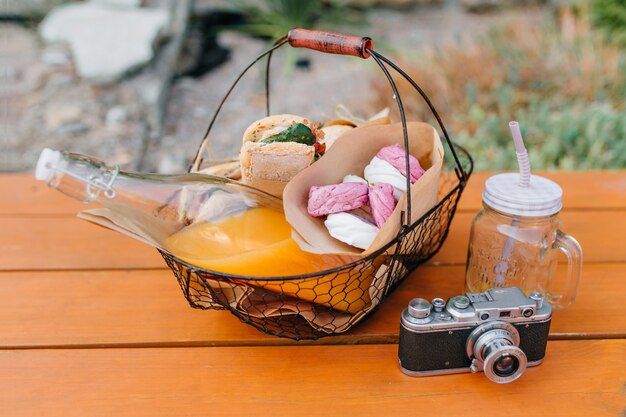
x=276 y=148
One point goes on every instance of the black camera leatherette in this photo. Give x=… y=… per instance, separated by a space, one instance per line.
x=429 y=351
x=533 y=339
x=433 y=350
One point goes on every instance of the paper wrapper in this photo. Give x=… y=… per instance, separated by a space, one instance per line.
x=350 y=154
x=260 y=303
x=357 y=294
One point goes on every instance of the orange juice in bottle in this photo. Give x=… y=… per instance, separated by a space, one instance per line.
x=210 y=222
x=258 y=243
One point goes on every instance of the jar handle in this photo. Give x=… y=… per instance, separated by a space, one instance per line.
x=571 y=248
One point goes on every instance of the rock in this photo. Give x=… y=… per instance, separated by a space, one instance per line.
x=55 y=56
x=201 y=50
x=479 y=6
x=61 y=114
x=21 y=71
x=154 y=90
x=122 y=157
x=106 y=42
x=71 y=129
x=173 y=164
x=200 y=112
x=30 y=9
x=19 y=47
x=116 y=116
x=118 y=3
x=56 y=81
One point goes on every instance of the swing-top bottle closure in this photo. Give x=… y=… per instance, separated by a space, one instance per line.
x=48 y=159
x=50 y=162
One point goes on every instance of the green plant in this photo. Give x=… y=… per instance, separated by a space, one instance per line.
x=610 y=15
x=570 y=137
x=272 y=19
x=566 y=87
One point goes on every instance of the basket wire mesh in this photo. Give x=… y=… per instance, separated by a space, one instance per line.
x=332 y=301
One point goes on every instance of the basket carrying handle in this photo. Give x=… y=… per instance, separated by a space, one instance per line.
x=335 y=43
x=330 y=43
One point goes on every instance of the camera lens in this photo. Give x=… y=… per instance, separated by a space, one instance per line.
x=505 y=365
x=502 y=360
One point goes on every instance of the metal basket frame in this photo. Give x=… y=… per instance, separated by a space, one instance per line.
x=415 y=243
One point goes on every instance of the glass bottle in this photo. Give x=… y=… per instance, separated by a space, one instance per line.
x=211 y=222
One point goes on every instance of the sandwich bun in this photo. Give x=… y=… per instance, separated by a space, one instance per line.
x=270 y=126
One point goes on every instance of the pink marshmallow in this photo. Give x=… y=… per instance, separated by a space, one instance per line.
x=395 y=155
x=336 y=198
x=382 y=203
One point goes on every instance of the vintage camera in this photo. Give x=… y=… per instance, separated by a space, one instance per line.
x=500 y=332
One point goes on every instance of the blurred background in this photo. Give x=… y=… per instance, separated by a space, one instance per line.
x=135 y=82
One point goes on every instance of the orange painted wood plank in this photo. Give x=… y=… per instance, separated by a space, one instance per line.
x=106 y=307
x=71 y=243
x=23 y=195
x=582 y=190
x=578 y=378
x=597 y=311
x=78 y=308
x=600 y=234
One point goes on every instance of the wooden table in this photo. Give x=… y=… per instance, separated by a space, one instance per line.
x=92 y=323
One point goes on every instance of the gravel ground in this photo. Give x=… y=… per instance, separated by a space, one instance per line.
x=47 y=105
x=312 y=93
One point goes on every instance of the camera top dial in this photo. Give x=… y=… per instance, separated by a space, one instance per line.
x=504 y=304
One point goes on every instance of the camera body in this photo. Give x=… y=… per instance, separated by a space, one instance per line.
x=499 y=331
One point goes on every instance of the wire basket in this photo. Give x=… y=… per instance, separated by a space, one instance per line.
x=332 y=301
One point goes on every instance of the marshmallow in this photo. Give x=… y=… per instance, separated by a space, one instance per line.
x=351 y=229
x=329 y=199
x=396 y=156
x=353 y=178
x=382 y=203
x=382 y=172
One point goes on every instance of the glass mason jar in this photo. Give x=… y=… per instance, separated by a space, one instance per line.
x=515 y=240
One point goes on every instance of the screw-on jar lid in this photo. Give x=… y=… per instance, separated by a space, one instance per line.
x=542 y=197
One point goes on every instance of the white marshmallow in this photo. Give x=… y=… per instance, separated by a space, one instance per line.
x=353 y=178
x=380 y=171
x=351 y=229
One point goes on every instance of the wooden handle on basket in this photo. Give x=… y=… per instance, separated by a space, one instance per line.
x=329 y=42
